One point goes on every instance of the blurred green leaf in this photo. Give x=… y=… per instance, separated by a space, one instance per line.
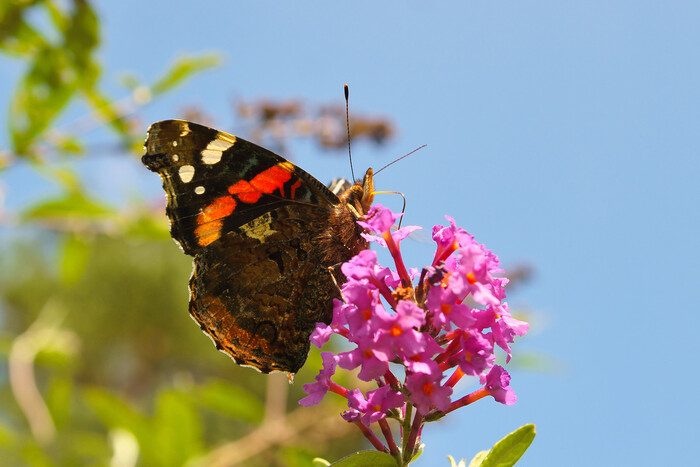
x=66 y=177
x=107 y=111
x=16 y=36
x=231 y=400
x=148 y=228
x=55 y=73
x=41 y=94
x=182 y=69
x=293 y=456
x=68 y=144
x=178 y=429
x=59 y=397
x=81 y=36
x=74 y=259
x=115 y=413
x=366 y=459
x=60 y=20
x=507 y=451
x=69 y=206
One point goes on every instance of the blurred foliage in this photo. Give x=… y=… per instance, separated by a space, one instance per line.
x=99 y=362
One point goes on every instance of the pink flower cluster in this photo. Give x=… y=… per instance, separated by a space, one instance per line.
x=442 y=328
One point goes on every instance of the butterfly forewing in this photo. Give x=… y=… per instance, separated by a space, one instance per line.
x=216 y=182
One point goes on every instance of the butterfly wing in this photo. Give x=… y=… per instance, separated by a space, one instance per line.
x=216 y=182
x=259 y=291
x=263 y=234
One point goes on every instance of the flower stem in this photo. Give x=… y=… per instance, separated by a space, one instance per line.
x=369 y=434
x=410 y=449
x=406 y=427
x=386 y=431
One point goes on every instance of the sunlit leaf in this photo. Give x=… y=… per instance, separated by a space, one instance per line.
x=82 y=34
x=182 y=69
x=107 y=111
x=293 y=456
x=507 y=451
x=19 y=38
x=478 y=459
x=59 y=397
x=72 y=205
x=231 y=400
x=74 y=259
x=177 y=428
x=115 y=413
x=366 y=459
x=40 y=96
x=148 y=228
x=68 y=144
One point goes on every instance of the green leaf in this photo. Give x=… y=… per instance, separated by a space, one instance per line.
x=231 y=400
x=295 y=456
x=320 y=462
x=74 y=260
x=18 y=38
x=507 y=451
x=68 y=144
x=107 y=110
x=147 y=227
x=478 y=459
x=366 y=459
x=41 y=94
x=116 y=413
x=82 y=35
x=182 y=69
x=177 y=428
x=59 y=400
x=461 y=463
x=70 y=206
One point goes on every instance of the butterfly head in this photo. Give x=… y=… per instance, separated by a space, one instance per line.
x=360 y=195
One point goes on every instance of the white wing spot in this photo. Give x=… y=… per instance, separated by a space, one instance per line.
x=174 y=144
x=199 y=190
x=213 y=152
x=175 y=158
x=186 y=173
x=210 y=156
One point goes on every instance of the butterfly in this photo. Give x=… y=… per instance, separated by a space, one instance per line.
x=266 y=238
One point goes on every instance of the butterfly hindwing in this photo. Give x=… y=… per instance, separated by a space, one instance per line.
x=233 y=279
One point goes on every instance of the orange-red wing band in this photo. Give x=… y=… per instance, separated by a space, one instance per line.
x=209 y=221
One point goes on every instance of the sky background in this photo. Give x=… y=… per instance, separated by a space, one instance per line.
x=563 y=135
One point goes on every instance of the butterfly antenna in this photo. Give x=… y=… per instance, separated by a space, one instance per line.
x=402 y=157
x=347 y=126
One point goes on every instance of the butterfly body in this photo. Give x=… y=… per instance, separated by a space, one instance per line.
x=263 y=234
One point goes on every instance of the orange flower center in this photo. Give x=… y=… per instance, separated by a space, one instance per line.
x=471 y=278
x=445 y=308
x=428 y=388
x=396 y=331
x=368 y=353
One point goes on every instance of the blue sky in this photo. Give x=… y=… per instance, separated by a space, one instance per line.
x=561 y=134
